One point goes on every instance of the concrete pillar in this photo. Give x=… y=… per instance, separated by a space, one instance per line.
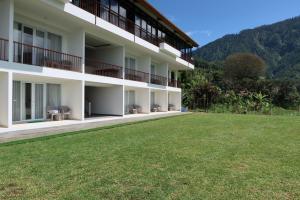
x=6 y=99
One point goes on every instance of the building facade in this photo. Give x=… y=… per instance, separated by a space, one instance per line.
x=95 y=57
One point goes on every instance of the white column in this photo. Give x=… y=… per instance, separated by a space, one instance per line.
x=6 y=99
x=76 y=45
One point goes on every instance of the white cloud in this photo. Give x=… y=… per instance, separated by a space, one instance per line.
x=199 y=32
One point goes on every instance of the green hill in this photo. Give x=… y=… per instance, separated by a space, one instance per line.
x=278 y=44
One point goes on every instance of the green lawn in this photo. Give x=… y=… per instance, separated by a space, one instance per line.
x=197 y=156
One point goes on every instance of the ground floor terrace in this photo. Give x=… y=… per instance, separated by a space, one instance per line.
x=38 y=101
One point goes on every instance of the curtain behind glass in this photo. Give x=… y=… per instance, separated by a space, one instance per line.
x=16 y=109
x=53 y=95
x=39 y=101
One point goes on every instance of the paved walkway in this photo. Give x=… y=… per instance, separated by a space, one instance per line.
x=32 y=130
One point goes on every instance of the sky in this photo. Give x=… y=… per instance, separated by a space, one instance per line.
x=208 y=20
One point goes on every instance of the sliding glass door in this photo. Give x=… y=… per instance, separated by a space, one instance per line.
x=16 y=104
x=28 y=101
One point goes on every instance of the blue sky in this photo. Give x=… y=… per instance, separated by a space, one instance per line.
x=207 y=20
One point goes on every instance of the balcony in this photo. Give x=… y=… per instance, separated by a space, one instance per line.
x=174 y=83
x=135 y=75
x=99 y=68
x=187 y=58
x=32 y=55
x=98 y=9
x=159 y=80
x=3 y=49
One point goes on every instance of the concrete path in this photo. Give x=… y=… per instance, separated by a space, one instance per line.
x=33 y=130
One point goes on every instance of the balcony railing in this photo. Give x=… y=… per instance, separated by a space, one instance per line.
x=187 y=58
x=159 y=80
x=3 y=49
x=174 y=83
x=32 y=55
x=100 y=10
x=135 y=75
x=99 y=68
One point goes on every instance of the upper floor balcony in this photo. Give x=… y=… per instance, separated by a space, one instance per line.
x=34 y=55
x=130 y=20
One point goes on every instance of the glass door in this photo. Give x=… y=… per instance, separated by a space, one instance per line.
x=16 y=104
x=40 y=42
x=39 y=101
x=28 y=45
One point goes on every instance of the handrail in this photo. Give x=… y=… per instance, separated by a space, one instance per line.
x=159 y=80
x=33 y=55
x=135 y=75
x=174 y=83
x=3 y=49
x=100 y=68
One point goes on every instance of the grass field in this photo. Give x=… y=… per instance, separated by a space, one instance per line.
x=197 y=156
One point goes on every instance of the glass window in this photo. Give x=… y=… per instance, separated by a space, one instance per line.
x=138 y=20
x=114 y=5
x=54 y=42
x=105 y=3
x=53 y=95
x=123 y=12
x=130 y=63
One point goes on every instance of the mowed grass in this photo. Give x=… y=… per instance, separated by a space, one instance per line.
x=197 y=156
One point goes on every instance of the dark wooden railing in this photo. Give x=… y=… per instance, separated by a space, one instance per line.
x=135 y=75
x=159 y=80
x=174 y=83
x=103 y=69
x=32 y=55
x=187 y=57
x=99 y=10
x=3 y=49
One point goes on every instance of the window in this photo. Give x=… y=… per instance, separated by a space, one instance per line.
x=54 y=42
x=130 y=63
x=53 y=95
x=153 y=68
x=114 y=5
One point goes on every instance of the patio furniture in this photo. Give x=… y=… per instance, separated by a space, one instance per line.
x=156 y=108
x=134 y=109
x=54 y=113
x=171 y=107
x=65 y=112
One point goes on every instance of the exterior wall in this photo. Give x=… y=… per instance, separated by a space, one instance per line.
x=175 y=99
x=6 y=99
x=72 y=96
x=161 y=98
x=105 y=100
x=143 y=99
x=144 y=63
x=111 y=55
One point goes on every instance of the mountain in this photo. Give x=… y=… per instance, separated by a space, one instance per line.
x=278 y=44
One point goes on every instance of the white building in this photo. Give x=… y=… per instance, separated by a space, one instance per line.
x=97 y=57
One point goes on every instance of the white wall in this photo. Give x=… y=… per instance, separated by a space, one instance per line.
x=73 y=97
x=105 y=100
x=143 y=99
x=6 y=99
x=175 y=99
x=111 y=55
x=161 y=98
x=144 y=63
x=76 y=44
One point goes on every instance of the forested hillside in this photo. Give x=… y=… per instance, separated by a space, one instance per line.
x=278 y=44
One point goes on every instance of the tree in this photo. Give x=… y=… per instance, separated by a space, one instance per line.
x=243 y=66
